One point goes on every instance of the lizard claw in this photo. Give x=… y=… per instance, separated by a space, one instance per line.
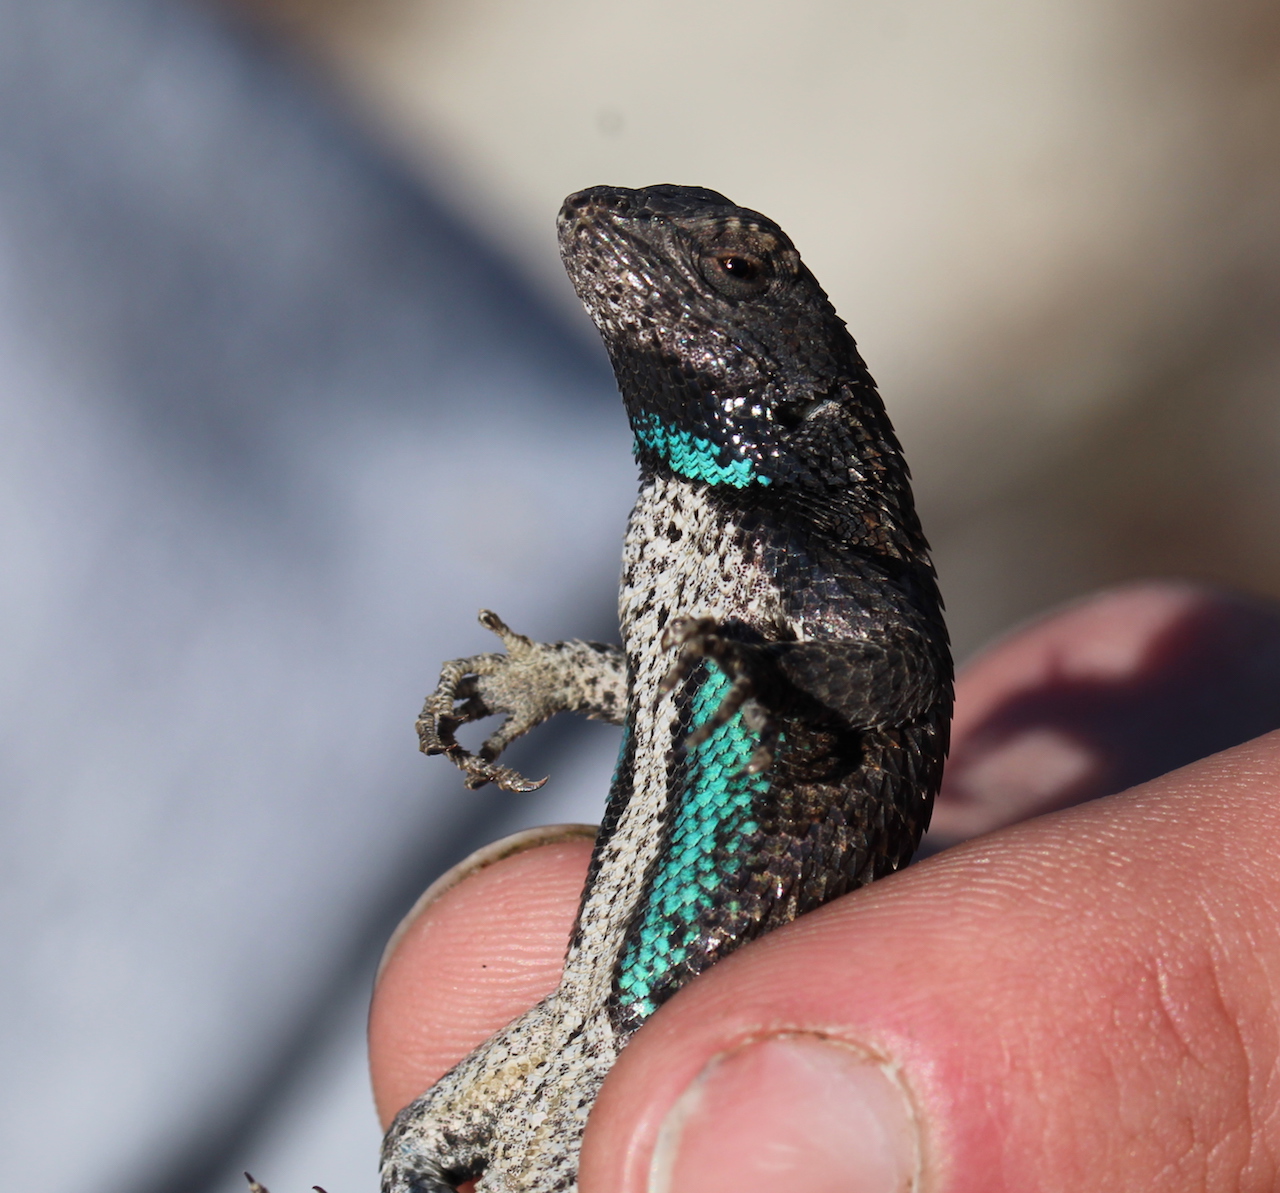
x=480 y=771
x=692 y=638
x=760 y=722
x=254 y=1187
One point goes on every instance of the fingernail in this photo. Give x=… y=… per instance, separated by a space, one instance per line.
x=530 y=838
x=791 y=1112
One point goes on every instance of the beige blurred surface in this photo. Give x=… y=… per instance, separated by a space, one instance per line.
x=1053 y=229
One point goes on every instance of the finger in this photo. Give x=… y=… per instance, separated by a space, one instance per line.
x=1086 y=1002
x=483 y=945
x=1102 y=695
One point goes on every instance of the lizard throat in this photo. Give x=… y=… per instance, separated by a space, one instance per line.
x=693 y=457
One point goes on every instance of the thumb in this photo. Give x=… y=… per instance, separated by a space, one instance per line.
x=1083 y=1002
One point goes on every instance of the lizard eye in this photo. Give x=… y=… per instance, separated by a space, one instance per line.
x=742 y=268
x=735 y=273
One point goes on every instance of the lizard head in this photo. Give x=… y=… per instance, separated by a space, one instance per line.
x=731 y=360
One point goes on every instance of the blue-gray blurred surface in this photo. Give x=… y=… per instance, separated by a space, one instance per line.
x=273 y=424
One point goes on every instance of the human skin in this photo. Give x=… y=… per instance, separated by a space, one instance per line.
x=1084 y=999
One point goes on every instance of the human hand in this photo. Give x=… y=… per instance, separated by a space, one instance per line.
x=1086 y=1000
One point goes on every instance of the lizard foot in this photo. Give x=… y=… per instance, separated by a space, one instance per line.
x=698 y=638
x=482 y=686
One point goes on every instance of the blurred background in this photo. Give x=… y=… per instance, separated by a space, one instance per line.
x=291 y=384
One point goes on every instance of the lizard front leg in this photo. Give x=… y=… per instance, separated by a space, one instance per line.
x=528 y=684
x=865 y=684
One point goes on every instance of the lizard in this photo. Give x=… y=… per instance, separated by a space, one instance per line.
x=784 y=679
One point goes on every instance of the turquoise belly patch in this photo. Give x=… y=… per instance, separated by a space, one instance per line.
x=712 y=821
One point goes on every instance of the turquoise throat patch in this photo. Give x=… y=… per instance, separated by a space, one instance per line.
x=698 y=459
x=712 y=821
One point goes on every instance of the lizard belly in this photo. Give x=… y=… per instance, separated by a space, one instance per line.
x=681 y=558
